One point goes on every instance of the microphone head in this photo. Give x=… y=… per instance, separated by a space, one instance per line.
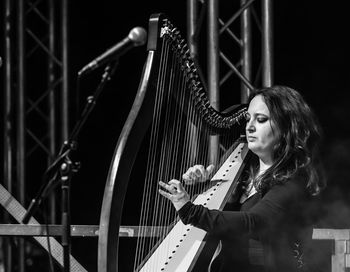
x=138 y=36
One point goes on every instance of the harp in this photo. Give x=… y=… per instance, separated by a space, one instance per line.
x=170 y=126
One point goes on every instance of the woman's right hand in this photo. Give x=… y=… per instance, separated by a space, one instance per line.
x=197 y=173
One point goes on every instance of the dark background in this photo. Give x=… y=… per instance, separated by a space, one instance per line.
x=310 y=54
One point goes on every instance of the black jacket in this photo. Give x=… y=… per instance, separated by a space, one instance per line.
x=277 y=219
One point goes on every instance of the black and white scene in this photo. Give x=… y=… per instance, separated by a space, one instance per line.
x=187 y=136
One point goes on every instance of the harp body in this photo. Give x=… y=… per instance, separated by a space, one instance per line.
x=173 y=117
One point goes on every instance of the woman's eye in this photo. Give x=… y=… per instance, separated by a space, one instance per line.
x=261 y=119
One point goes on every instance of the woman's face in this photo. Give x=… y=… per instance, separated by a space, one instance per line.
x=262 y=133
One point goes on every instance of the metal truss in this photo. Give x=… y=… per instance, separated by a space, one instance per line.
x=35 y=97
x=229 y=49
x=230 y=29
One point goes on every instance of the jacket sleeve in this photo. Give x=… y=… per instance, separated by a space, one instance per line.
x=269 y=211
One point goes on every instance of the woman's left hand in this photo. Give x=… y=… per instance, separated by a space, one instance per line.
x=175 y=192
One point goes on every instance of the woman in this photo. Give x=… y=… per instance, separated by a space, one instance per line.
x=282 y=134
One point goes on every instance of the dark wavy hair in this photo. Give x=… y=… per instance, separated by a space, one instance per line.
x=300 y=134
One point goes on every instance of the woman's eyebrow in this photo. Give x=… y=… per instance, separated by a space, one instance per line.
x=258 y=113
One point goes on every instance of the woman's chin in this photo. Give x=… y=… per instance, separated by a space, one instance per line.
x=252 y=147
x=255 y=149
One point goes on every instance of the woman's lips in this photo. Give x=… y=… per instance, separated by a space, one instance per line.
x=251 y=138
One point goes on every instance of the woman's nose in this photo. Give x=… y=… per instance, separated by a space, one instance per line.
x=250 y=126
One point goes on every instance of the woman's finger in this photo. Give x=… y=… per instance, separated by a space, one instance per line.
x=186 y=177
x=176 y=193
x=163 y=184
x=165 y=194
x=209 y=170
x=191 y=173
x=175 y=184
x=198 y=171
x=195 y=172
x=169 y=187
x=188 y=180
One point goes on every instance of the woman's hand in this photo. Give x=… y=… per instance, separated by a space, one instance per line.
x=197 y=173
x=175 y=193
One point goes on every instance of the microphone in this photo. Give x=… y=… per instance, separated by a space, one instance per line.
x=137 y=36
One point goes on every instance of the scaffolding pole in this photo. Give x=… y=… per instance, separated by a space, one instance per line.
x=35 y=110
x=267 y=43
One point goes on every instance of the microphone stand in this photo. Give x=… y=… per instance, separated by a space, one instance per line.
x=63 y=167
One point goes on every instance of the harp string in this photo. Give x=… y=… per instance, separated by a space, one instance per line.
x=178 y=139
x=147 y=192
x=166 y=159
x=170 y=144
